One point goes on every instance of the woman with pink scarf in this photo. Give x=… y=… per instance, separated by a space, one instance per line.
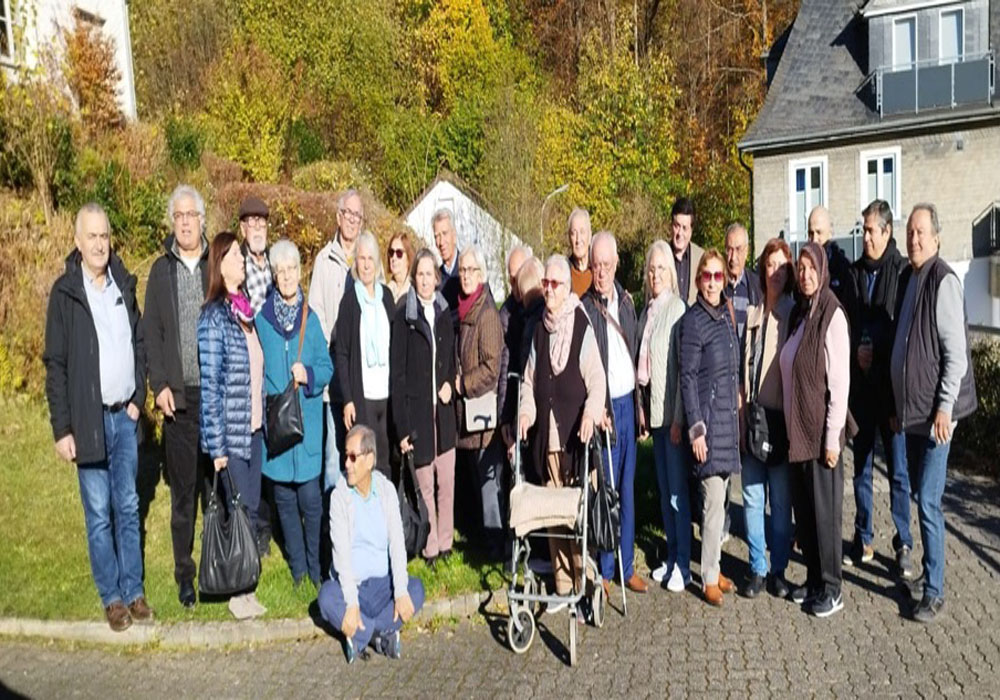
x=562 y=399
x=657 y=376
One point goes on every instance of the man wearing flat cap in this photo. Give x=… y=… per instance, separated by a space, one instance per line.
x=253 y=226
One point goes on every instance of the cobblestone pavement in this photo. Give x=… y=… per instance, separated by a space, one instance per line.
x=671 y=644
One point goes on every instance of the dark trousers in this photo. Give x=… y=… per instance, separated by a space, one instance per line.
x=375 y=603
x=186 y=471
x=300 y=509
x=818 y=501
x=378 y=420
x=246 y=478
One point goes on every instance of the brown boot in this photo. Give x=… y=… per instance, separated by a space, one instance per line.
x=118 y=618
x=726 y=585
x=636 y=584
x=713 y=595
x=140 y=611
x=607 y=588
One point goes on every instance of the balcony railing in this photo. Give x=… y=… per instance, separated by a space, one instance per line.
x=929 y=84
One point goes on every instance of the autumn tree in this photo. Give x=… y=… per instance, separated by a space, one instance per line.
x=93 y=76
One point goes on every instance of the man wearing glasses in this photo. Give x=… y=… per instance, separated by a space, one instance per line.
x=331 y=272
x=253 y=227
x=370 y=596
x=174 y=295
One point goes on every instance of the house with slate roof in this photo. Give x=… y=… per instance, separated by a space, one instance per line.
x=890 y=99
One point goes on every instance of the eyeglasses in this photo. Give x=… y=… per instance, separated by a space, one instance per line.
x=707 y=276
x=351 y=215
x=353 y=456
x=286 y=271
x=551 y=284
x=189 y=215
x=468 y=270
x=397 y=252
x=255 y=222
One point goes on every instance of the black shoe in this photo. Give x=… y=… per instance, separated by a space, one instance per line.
x=777 y=586
x=858 y=553
x=431 y=562
x=904 y=562
x=753 y=586
x=388 y=645
x=349 y=653
x=927 y=609
x=827 y=605
x=186 y=594
x=264 y=544
x=803 y=595
x=444 y=556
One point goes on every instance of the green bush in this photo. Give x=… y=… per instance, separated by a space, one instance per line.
x=185 y=142
x=976 y=436
x=330 y=176
x=305 y=143
x=135 y=207
x=14 y=172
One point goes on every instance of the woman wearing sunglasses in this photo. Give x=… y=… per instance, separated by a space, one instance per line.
x=709 y=379
x=399 y=255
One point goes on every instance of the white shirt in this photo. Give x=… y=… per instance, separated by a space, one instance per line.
x=375 y=380
x=114 y=339
x=621 y=371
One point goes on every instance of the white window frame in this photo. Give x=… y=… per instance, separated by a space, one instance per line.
x=941 y=13
x=916 y=41
x=864 y=196
x=7 y=14
x=794 y=164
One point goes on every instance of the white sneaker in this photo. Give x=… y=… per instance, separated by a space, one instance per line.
x=660 y=573
x=240 y=607
x=676 y=584
x=553 y=608
x=254 y=605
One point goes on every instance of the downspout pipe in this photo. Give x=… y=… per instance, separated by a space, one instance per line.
x=750 y=221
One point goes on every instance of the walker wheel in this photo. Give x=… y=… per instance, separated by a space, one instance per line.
x=597 y=603
x=520 y=639
x=572 y=639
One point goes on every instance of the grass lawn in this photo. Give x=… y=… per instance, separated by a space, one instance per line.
x=44 y=568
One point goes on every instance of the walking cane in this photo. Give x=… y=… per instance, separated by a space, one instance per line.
x=621 y=566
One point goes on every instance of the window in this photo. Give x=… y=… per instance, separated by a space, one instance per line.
x=6 y=32
x=951 y=48
x=807 y=188
x=881 y=178
x=904 y=43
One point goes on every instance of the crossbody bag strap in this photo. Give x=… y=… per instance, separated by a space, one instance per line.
x=617 y=326
x=757 y=360
x=302 y=330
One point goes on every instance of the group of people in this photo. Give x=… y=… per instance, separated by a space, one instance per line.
x=410 y=369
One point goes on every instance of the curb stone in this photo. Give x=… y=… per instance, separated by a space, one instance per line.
x=212 y=635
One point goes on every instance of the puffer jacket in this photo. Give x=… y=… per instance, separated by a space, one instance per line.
x=225 y=384
x=710 y=366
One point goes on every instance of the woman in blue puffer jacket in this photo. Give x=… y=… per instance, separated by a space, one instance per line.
x=232 y=387
x=709 y=378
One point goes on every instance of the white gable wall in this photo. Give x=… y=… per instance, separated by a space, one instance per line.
x=473 y=224
x=44 y=21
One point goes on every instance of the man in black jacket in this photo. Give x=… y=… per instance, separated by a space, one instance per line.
x=174 y=295
x=612 y=313
x=95 y=383
x=875 y=282
x=821 y=231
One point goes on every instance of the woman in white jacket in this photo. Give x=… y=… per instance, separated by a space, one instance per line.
x=661 y=414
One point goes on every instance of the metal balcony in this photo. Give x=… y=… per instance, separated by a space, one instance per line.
x=932 y=85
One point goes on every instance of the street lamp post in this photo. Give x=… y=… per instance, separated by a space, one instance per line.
x=541 y=222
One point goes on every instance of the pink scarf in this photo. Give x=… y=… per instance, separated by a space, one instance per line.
x=560 y=327
x=465 y=303
x=645 y=365
x=241 y=307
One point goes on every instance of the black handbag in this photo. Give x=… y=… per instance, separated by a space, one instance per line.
x=230 y=563
x=285 y=428
x=767 y=436
x=603 y=508
x=412 y=510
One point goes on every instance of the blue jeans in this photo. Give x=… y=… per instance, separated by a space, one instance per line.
x=894 y=445
x=673 y=471
x=300 y=510
x=246 y=478
x=333 y=444
x=760 y=485
x=111 y=513
x=376 y=603
x=623 y=463
x=928 y=462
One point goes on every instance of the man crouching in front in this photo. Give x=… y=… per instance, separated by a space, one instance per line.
x=370 y=596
